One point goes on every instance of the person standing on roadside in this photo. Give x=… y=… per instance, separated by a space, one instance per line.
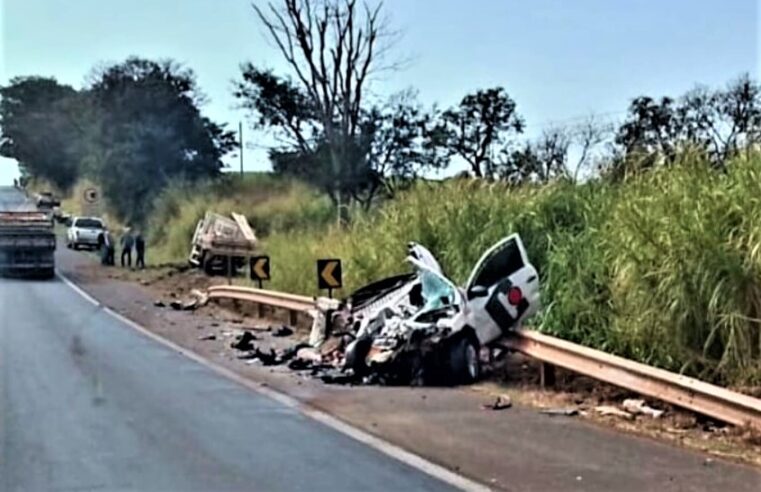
x=140 y=250
x=128 y=241
x=107 y=249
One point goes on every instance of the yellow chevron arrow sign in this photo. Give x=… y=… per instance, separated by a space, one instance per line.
x=260 y=268
x=329 y=274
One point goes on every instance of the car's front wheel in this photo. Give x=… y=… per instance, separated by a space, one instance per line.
x=464 y=362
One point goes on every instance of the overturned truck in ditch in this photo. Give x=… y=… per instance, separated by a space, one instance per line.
x=420 y=328
x=220 y=245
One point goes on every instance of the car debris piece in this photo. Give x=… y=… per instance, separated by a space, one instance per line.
x=419 y=327
x=210 y=336
x=319 y=330
x=244 y=341
x=562 y=411
x=159 y=303
x=611 y=410
x=639 y=407
x=283 y=331
x=502 y=402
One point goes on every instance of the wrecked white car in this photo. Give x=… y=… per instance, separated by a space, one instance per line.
x=420 y=328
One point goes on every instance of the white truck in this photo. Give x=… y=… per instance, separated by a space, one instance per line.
x=85 y=232
x=221 y=245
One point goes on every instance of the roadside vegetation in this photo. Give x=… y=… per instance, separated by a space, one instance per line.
x=664 y=268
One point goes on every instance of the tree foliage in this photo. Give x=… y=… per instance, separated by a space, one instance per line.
x=720 y=123
x=41 y=121
x=331 y=48
x=327 y=130
x=481 y=128
x=149 y=131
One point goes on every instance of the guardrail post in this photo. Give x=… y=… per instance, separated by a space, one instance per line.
x=547 y=375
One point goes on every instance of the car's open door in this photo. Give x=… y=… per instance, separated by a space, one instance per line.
x=503 y=289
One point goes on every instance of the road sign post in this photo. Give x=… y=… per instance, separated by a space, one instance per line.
x=260 y=269
x=329 y=275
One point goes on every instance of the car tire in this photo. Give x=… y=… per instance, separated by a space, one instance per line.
x=464 y=362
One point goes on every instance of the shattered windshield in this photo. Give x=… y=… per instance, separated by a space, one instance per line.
x=437 y=293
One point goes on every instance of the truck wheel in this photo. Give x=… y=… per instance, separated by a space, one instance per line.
x=464 y=363
x=208 y=265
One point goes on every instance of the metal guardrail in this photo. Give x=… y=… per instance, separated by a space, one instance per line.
x=693 y=394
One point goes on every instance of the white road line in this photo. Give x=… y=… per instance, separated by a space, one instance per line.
x=385 y=447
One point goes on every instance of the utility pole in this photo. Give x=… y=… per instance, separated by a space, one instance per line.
x=240 y=139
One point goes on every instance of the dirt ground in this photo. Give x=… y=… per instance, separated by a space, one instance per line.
x=514 y=375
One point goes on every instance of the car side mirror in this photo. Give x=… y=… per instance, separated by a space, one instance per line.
x=479 y=291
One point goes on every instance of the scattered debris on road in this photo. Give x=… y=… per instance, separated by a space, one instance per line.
x=209 y=336
x=502 y=402
x=638 y=407
x=244 y=341
x=614 y=411
x=564 y=412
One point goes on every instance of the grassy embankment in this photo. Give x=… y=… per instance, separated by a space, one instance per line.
x=665 y=269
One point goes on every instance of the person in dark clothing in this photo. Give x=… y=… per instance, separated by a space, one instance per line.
x=128 y=241
x=140 y=249
x=107 y=250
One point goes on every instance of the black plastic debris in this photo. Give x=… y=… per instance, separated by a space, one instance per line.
x=283 y=331
x=268 y=358
x=210 y=336
x=159 y=303
x=338 y=377
x=244 y=341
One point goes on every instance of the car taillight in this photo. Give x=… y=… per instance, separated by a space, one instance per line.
x=514 y=296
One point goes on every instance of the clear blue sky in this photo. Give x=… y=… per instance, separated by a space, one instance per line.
x=558 y=59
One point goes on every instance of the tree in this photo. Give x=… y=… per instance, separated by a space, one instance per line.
x=332 y=47
x=40 y=121
x=403 y=142
x=482 y=124
x=149 y=131
x=539 y=161
x=720 y=123
x=651 y=131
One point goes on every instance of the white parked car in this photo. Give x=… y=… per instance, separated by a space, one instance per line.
x=85 y=232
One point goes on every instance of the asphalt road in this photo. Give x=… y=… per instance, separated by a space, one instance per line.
x=87 y=403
